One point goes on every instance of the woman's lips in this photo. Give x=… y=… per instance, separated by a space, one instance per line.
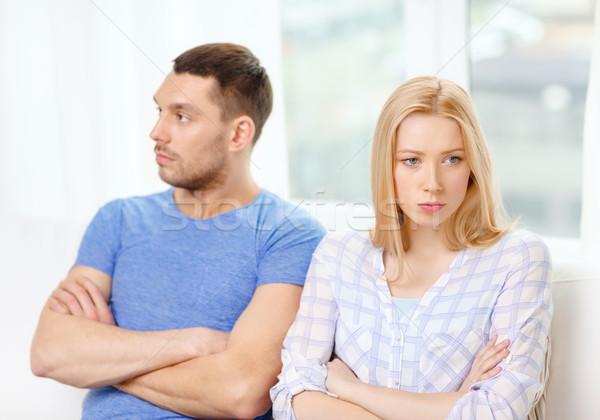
x=431 y=208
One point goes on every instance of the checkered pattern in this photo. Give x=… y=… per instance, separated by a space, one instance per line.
x=346 y=309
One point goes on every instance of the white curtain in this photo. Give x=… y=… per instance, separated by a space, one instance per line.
x=590 y=216
x=76 y=85
x=436 y=39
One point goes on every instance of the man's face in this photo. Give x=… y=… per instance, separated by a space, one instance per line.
x=191 y=142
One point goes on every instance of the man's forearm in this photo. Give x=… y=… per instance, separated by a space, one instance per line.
x=234 y=383
x=90 y=354
x=222 y=385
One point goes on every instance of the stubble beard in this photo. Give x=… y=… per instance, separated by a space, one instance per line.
x=202 y=176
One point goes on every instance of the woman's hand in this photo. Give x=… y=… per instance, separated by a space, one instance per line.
x=485 y=363
x=340 y=378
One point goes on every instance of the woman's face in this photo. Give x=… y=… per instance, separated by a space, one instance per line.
x=432 y=172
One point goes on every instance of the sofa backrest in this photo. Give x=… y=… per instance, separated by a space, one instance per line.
x=575 y=337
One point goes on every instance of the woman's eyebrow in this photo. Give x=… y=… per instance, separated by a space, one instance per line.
x=457 y=149
x=416 y=152
x=412 y=151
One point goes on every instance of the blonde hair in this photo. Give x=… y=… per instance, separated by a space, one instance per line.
x=479 y=221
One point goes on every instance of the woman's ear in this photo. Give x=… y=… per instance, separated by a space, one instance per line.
x=243 y=133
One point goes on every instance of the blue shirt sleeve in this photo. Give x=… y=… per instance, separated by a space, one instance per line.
x=101 y=242
x=288 y=251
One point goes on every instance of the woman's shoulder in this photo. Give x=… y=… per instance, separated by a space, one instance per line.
x=522 y=242
x=353 y=241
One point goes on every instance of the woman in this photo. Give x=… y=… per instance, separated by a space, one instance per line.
x=406 y=310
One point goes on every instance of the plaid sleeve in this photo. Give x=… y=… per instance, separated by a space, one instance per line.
x=309 y=342
x=522 y=314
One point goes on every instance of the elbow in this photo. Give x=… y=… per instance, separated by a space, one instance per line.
x=250 y=400
x=39 y=363
x=45 y=361
x=238 y=399
x=44 y=366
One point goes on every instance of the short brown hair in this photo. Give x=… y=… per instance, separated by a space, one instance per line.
x=243 y=84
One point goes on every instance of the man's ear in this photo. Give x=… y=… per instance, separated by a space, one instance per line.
x=243 y=133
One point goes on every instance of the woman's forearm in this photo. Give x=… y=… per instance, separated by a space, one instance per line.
x=313 y=405
x=389 y=403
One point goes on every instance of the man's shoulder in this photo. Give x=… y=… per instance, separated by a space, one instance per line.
x=135 y=204
x=158 y=198
x=280 y=214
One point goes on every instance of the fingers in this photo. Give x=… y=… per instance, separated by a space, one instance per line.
x=495 y=355
x=66 y=298
x=81 y=297
x=490 y=343
x=493 y=351
x=99 y=305
x=56 y=306
x=485 y=364
x=490 y=373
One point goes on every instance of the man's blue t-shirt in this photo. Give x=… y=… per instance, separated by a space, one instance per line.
x=170 y=271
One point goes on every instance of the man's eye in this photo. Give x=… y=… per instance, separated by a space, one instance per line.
x=183 y=118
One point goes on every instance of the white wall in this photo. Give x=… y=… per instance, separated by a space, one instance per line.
x=76 y=86
x=77 y=79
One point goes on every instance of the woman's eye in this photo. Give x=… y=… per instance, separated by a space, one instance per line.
x=411 y=161
x=159 y=111
x=453 y=159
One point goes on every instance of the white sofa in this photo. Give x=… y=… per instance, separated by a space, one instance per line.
x=575 y=339
x=36 y=254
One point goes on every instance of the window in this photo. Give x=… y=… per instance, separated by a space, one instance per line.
x=341 y=61
x=530 y=69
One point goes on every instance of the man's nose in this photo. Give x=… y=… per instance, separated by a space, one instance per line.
x=160 y=132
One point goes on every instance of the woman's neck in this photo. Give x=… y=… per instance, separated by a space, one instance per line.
x=425 y=260
x=423 y=241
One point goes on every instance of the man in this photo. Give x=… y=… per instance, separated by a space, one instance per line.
x=179 y=301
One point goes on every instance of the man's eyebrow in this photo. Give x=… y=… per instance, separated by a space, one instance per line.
x=180 y=105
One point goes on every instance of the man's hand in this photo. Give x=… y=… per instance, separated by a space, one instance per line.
x=81 y=297
x=75 y=340
x=485 y=365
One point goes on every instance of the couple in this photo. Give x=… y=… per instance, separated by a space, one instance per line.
x=439 y=311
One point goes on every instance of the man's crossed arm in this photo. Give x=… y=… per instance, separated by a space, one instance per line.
x=198 y=372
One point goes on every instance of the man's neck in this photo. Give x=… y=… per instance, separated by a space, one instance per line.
x=200 y=204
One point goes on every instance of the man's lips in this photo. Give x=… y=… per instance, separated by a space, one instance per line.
x=163 y=159
x=431 y=207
